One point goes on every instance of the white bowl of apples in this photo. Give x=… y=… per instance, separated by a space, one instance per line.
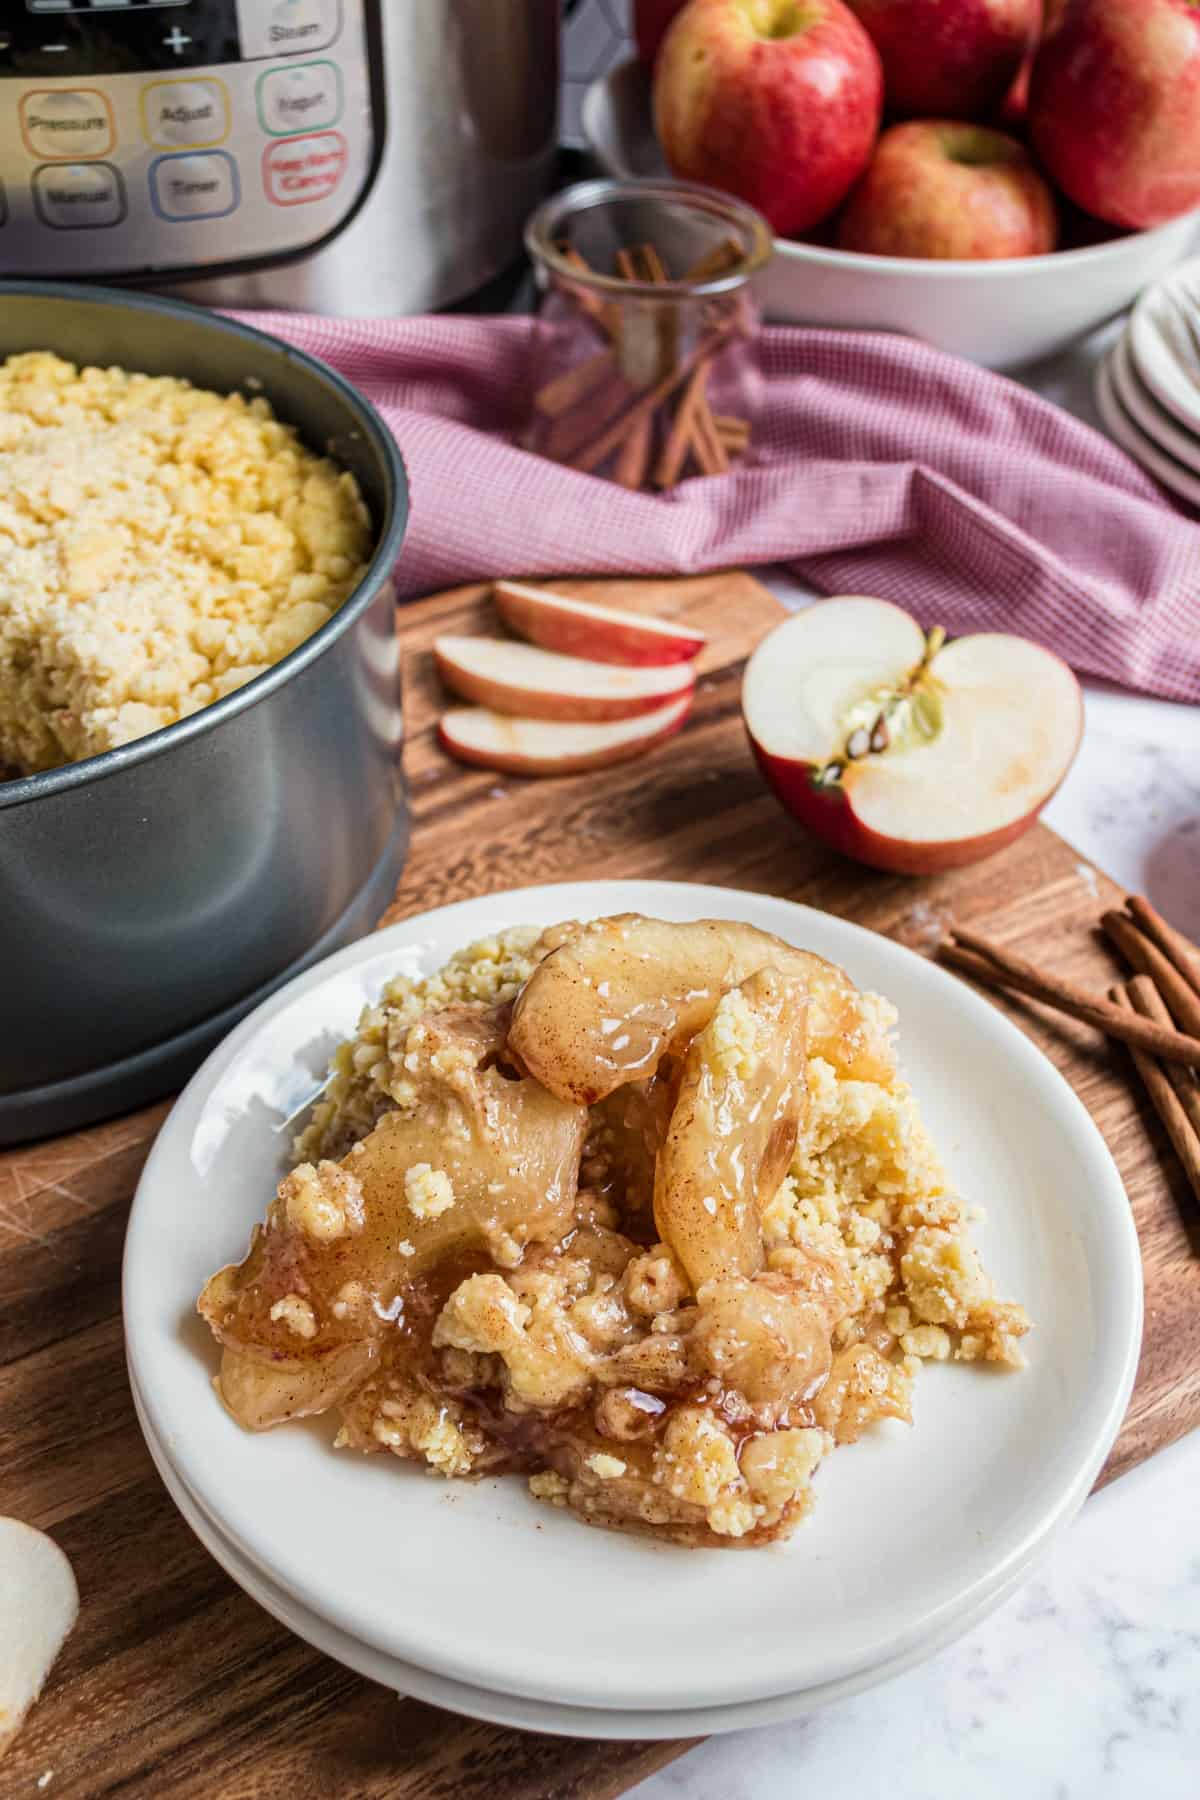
x=1032 y=177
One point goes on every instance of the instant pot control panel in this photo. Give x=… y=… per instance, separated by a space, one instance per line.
x=143 y=138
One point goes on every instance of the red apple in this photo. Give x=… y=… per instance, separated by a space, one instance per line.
x=776 y=101
x=1114 y=107
x=492 y=740
x=603 y=633
x=901 y=750
x=953 y=59
x=941 y=188
x=536 y=684
x=650 y=21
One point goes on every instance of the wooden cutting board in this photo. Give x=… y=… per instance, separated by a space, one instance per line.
x=174 y=1682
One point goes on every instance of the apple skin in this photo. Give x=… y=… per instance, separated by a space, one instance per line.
x=784 y=122
x=599 y=633
x=831 y=817
x=943 y=189
x=511 y=753
x=1114 y=107
x=950 y=59
x=650 y=21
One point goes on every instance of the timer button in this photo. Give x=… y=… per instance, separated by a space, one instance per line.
x=203 y=185
x=67 y=123
x=185 y=112
x=78 y=196
x=288 y=27
x=300 y=97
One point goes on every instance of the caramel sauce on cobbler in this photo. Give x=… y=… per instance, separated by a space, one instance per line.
x=640 y=1210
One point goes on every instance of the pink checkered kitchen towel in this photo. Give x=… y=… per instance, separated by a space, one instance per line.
x=882 y=467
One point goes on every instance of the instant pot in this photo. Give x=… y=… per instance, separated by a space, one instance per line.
x=337 y=156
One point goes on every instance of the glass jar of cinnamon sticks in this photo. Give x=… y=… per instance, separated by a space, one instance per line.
x=645 y=345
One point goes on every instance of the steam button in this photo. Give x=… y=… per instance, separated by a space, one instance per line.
x=288 y=27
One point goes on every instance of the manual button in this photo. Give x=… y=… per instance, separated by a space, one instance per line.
x=185 y=112
x=201 y=186
x=289 y=27
x=67 y=123
x=78 y=196
x=300 y=97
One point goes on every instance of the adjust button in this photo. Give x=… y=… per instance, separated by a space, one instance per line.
x=303 y=169
x=299 y=97
x=288 y=27
x=67 y=123
x=185 y=112
x=200 y=186
x=78 y=196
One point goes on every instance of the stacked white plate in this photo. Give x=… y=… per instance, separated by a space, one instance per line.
x=474 y=1597
x=1148 y=386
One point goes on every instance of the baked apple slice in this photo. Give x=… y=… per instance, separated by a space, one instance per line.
x=742 y=1097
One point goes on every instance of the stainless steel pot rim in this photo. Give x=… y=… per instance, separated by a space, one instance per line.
x=25 y=788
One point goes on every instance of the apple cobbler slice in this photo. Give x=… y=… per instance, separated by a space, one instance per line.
x=653 y=1231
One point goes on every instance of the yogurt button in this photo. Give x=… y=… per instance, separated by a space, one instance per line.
x=300 y=97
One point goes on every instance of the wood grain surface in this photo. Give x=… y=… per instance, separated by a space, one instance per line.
x=174 y=1682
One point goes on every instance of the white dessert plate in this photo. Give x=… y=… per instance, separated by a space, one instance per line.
x=1139 y=403
x=1162 y=350
x=477 y=1582
x=496 y=1708
x=1126 y=432
x=1003 y=314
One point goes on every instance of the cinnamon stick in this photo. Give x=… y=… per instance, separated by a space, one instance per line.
x=710 y=453
x=634 y=459
x=574 y=384
x=593 y=454
x=653 y=264
x=1148 y=959
x=994 y=967
x=1163 y=1095
x=1182 y=952
x=717 y=261
x=674 y=451
x=1151 y=1005
x=733 y=432
x=591 y=303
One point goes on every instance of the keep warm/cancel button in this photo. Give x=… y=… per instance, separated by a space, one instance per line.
x=300 y=170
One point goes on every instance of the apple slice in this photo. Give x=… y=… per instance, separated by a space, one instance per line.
x=39 y=1603
x=538 y=684
x=603 y=633
x=902 y=750
x=550 y=747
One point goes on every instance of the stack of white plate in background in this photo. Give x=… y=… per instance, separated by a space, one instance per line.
x=471 y=1595
x=1148 y=386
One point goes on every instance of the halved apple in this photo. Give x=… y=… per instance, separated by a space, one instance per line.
x=38 y=1610
x=900 y=749
x=493 y=740
x=538 y=684
x=603 y=633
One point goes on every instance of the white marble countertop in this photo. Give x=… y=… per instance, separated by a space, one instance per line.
x=1086 y=1684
